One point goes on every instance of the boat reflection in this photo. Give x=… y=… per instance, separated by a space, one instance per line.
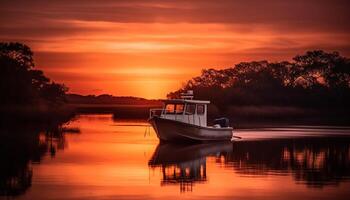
x=315 y=162
x=185 y=164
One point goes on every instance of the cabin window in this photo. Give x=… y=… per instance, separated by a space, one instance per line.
x=170 y=108
x=179 y=108
x=174 y=108
x=200 y=109
x=190 y=109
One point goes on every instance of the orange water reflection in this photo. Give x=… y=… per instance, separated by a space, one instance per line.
x=119 y=159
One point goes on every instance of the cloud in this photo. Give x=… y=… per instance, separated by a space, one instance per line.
x=315 y=13
x=176 y=36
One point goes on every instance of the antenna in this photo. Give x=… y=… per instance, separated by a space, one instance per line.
x=187 y=95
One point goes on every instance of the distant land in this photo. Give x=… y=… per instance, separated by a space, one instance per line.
x=121 y=106
x=109 y=99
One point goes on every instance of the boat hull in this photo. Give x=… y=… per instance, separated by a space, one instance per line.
x=171 y=130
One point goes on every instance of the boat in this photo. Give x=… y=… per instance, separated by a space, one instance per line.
x=185 y=119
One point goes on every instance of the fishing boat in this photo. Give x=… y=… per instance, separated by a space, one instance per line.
x=186 y=119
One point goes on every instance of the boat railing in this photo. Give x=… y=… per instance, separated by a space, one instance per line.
x=155 y=112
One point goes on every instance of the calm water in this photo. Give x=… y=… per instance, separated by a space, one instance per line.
x=124 y=160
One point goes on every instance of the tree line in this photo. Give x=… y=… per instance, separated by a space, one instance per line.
x=316 y=79
x=21 y=83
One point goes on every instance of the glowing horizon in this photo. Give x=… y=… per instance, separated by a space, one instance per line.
x=147 y=49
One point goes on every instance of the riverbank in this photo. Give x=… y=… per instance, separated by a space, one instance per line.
x=259 y=116
x=240 y=116
x=36 y=114
x=124 y=111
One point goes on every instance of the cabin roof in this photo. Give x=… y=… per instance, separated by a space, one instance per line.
x=186 y=101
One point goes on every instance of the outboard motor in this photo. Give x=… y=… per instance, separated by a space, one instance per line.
x=223 y=122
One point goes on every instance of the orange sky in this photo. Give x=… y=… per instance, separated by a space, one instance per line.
x=148 y=48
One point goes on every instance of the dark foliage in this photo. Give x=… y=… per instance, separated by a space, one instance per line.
x=316 y=79
x=121 y=107
x=108 y=99
x=21 y=84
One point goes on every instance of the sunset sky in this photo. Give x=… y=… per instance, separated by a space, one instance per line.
x=149 y=48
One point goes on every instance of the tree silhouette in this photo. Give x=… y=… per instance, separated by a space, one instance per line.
x=19 y=52
x=315 y=79
x=20 y=83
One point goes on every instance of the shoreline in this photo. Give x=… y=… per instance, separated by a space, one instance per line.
x=239 y=116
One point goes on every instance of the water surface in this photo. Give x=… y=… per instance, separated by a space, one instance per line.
x=123 y=160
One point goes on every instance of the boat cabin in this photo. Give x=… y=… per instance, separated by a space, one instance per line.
x=185 y=110
x=186 y=119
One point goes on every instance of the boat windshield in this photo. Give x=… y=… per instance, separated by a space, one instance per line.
x=169 y=108
x=174 y=108
x=179 y=108
x=190 y=109
x=200 y=109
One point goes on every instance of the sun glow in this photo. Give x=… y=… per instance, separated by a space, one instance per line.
x=94 y=54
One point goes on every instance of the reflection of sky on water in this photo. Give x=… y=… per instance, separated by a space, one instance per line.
x=115 y=159
x=292 y=132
